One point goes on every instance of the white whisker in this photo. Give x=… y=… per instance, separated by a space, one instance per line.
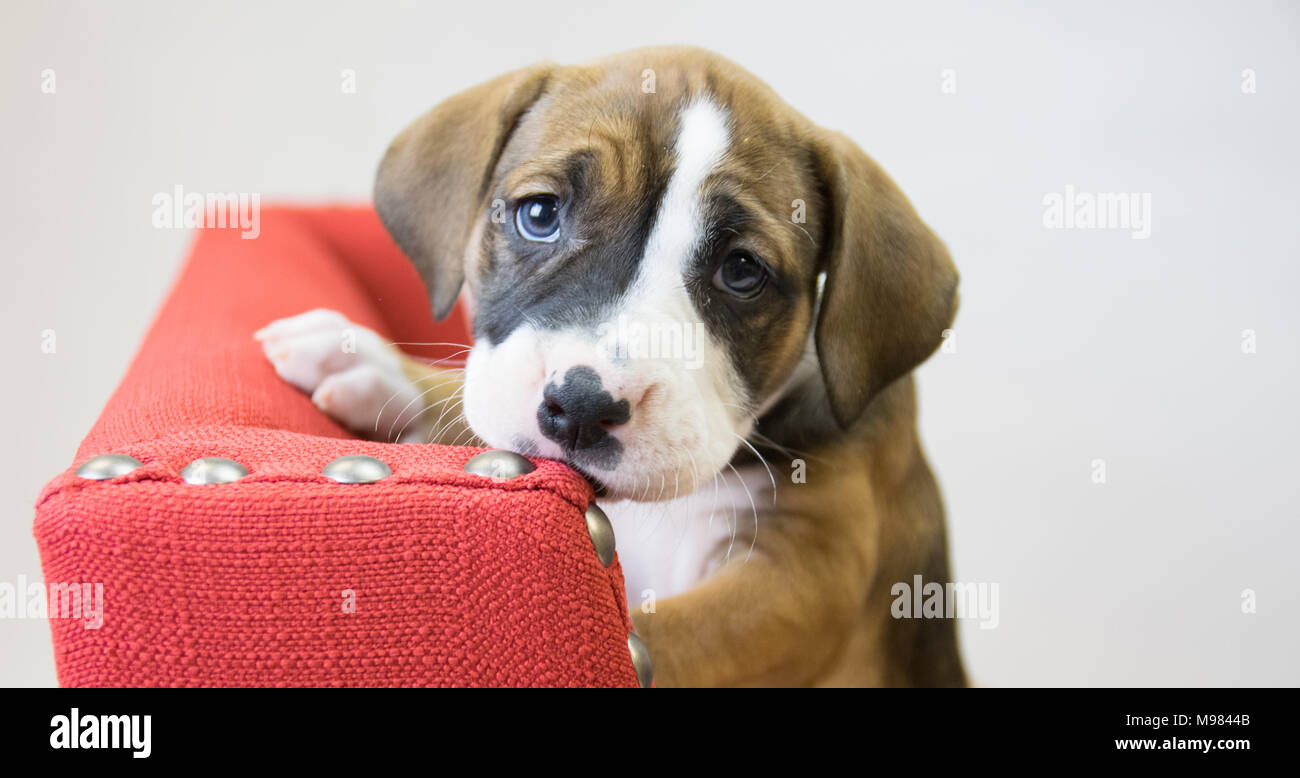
x=413 y=401
x=459 y=396
x=752 y=507
x=465 y=346
x=764 y=461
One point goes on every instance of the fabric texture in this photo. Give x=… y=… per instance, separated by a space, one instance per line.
x=430 y=577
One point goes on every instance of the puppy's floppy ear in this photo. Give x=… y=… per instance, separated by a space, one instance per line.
x=434 y=180
x=891 y=288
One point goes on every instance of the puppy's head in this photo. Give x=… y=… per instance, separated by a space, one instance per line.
x=643 y=239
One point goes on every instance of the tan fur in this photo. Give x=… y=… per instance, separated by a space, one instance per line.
x=810 y=605
x=441 y=399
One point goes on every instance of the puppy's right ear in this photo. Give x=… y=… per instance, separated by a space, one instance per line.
x=434 y=180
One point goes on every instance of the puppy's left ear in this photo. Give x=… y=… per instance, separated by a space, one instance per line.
x=891 y=288
x=433 y=182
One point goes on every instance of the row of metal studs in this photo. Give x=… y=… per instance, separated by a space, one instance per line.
x=362 y=469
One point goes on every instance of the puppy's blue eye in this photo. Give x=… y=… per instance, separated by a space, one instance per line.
x=538 y=218
x=741 y=275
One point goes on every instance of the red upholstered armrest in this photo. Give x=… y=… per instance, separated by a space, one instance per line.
x=430 y=576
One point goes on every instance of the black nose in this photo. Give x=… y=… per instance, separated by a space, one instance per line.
x=578 y=413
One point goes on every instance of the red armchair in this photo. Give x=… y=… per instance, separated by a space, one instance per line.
x=428 y=576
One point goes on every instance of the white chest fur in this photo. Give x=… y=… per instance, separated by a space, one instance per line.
x=667 y=547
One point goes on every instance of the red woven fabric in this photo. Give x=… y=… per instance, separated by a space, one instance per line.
x=454 y=579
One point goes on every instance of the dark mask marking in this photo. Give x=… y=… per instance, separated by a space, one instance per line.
x=579 y=289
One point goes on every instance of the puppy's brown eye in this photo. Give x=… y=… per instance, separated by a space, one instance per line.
x=741 y=275
x=538 y=218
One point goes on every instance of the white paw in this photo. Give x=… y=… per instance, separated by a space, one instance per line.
x=351 y=373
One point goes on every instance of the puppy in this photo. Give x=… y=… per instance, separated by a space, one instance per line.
x=711 y=308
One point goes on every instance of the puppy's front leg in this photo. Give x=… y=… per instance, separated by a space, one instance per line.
x=364 y=382
x=777 y=619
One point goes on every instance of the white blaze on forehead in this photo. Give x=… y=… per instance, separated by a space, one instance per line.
x=695 y=392
x=702 y=139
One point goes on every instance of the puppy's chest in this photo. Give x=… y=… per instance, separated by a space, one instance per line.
x=668 y=547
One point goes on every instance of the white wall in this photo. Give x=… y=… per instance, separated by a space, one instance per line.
x=1072 y=345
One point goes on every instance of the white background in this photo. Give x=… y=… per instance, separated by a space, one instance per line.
x=1072 y=345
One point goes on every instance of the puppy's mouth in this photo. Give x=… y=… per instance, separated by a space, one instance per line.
x=521 y=444
x=596 y=485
